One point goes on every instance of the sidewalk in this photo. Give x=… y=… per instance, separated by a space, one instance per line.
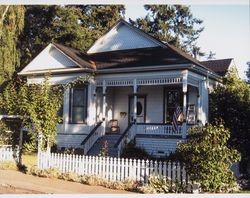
x=49 y=186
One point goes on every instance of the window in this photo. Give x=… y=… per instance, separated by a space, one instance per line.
x=78 y=105
x=172 y=98
x=60 y=114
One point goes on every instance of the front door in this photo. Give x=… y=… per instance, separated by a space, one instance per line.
x=141 y=109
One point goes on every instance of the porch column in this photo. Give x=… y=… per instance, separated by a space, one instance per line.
x=135 y=100
x=104 y=105
x=184 y=89
x=199 y=104
x=95 y=102
x=205 y=92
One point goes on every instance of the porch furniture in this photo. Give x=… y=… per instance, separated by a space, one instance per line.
x=114 y=127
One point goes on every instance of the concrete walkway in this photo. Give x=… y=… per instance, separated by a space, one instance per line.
x=40 y=185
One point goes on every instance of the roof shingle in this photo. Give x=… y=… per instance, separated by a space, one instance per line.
x=219 y=66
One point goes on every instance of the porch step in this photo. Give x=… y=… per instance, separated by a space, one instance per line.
x=111 y=139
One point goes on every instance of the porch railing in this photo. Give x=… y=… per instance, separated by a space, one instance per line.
x=157 y=129
x=92 y=137
x=126 y=137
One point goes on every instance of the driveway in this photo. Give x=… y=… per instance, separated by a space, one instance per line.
x=17 y=182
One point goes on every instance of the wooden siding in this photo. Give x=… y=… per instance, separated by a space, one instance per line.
x=70 y=140
x=121 y=105
x=49 y=58
x=56 y=78
x=157 y=146
x=154 y=106
x=119 y=38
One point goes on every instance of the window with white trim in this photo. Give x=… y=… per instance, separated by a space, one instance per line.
x=78 y=105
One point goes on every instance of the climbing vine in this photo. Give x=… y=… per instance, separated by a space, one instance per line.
x=38 y=104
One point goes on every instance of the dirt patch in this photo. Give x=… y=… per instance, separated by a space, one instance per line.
x=9 y=189
x=19 y=183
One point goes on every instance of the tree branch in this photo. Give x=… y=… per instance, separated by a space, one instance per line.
x=2 y=19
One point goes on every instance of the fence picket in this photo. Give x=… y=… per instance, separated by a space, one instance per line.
x=113 y=169
x=107 y=169
x=169 y=170
x=122 y=169
x=178 y=170
x=138 y=170
x=126 y=168
x=118 y=170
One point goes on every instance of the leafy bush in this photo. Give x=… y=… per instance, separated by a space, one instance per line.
x=29 y=147
x=160 y=184
x=47 y=173
x=104 y=149
x=208 y=158
x=231 y=103
x=5 y=134
x=69 y=177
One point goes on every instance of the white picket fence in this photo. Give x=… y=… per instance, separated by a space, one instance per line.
x=113 y=169
x=7 y=153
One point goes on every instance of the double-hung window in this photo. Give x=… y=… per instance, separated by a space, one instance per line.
x=78 y=104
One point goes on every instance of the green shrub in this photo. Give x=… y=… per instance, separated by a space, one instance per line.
x=104 y=149
x=160 y=184
x=91 y=180
x=70 y=177
x=47 y=173
x=208 y=159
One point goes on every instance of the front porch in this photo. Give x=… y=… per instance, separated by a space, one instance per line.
x=144 y=106
x=150 y=103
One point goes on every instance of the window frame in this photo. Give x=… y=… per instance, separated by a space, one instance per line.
x=72 y=106
x=165 y=102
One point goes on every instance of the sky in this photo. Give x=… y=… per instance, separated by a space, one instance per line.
x=226 y=33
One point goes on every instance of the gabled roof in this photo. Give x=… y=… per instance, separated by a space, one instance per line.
x=80 y=57
x=58 y=58
x=123 y=36
x=158 y=54
x=97 y=56
x=219 y=66
x=137 y=57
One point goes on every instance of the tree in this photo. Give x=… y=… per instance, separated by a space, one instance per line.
x=38 y=104
x=74 y=26
x=230 y=102
x=211 y=55
x=11 y=25
x=174 y=24
x=208 y=159
x=248 y=72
